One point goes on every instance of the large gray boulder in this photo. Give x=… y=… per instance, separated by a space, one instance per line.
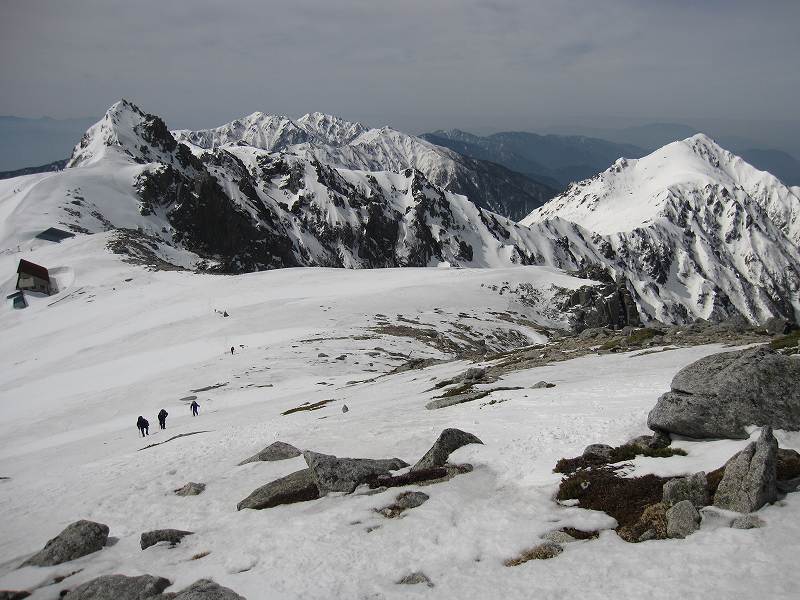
x=717 y=396
x=275 y=451
x=749 y=480
x=333 y=474
x=205 y=589
x=173 y=536
x=682 y=520
x=120 y=587
x=295 y=487
x=449 y=441
x=693 y=488
x=78 y=539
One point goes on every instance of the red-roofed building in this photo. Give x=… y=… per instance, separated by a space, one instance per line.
x=34 y=278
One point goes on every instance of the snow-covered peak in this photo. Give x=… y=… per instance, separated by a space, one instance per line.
x=330 y=129
x=124 y=125
x=635 y=193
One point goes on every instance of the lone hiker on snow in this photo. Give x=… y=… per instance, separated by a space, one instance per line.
x=195 y=407
x=143 y=425
x=162 y=418
x=231 y=349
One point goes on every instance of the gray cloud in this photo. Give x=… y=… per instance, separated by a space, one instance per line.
x=475 y=64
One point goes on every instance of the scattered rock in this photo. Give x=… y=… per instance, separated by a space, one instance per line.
x=473 y=374
x=205 y=589
x=749 y=480
x=682 y=520
x=542 y=384
x=120 y=587
x=402 y=503
x=449 y=441
x=341 y=357
x=750 y=521
x=173 y=536
x=322 y=355
x=333 y=474
x=275 y=451
x=76 y=540
x=651 y=525
x=191 y=489
x=776 y=326
x=558 y=537
x=640 y=441
x=788 y=464
x=660 y=439
x=787 y=486
x=13 y=595
x=421 y=477
x=344 y=408
x=693 y=488
x=543 y=551
x=415 y=578
x=717 y=396
x=296 y=487
x=602 y=451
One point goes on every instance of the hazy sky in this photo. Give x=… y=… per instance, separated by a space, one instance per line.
x=480 y=65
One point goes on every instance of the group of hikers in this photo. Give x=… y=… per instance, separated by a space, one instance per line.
x=144 y=425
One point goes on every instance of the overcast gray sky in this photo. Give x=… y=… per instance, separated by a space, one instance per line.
x=481 y=65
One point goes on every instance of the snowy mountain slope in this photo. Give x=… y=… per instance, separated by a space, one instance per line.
x=708 y=238
x=243 y=208
x=347 y=145
x=695 y=230
x=124 y=341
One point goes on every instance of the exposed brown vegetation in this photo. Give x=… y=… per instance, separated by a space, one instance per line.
x=579 y=534
x=541 y=552
x=200 y=555
x=601 y=488
x=618 y=454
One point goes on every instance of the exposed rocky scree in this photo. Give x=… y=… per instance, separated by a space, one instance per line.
x=76 y=540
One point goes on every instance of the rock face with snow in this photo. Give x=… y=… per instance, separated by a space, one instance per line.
x=77 y=540
x=295 y=487
x=120 y=587
x=749 y=481
x=333 y=474
x=695 y=230
x=173 y=536
x=342 y=144
x=688 y=231
x=448 y=442
x=717 y=396
x=275 y=451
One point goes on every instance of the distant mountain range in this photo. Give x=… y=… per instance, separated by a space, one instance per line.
x=554 y=158
x=690 y=230
x=563 y=159
x=53 y=166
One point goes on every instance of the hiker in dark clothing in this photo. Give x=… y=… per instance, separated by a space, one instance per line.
x=195 y=407
x=162 y=418
x=231 y=349
x=143 y=426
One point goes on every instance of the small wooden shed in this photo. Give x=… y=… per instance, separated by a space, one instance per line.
x=34 y=278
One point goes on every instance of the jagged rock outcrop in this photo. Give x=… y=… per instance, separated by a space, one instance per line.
x=333 y=474
x=448 y=441
x=717 y=396
x=693 y=488
x=275 y=451
x=749 y=481
x=76 y=540
x=295 y=487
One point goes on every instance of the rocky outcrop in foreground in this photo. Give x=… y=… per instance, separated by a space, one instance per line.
x=719 y=395
x=275 y=451
x=750 y=476
x=147 y=587
x=77 y=540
